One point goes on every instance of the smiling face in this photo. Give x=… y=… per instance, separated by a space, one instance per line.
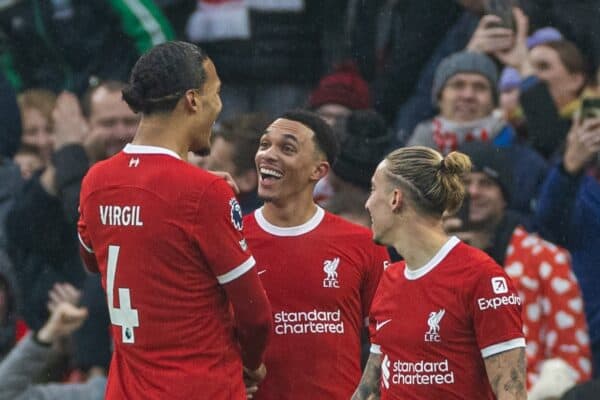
x=466 y=97
x=487 y=202
x=288 y=162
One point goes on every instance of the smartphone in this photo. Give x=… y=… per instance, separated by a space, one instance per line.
x=463 y=213
x=590 y=108
x=504 y=10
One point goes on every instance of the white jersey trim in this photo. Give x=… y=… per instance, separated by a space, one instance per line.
x=413 y=274
x=85 y=246
x=143 y=149
x=237 y=271
x=375 y=348
x=504 y=346
x=306 y=227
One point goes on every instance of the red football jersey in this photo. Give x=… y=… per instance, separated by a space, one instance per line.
x=320 y=278
x=166 y=235
x=435 y=325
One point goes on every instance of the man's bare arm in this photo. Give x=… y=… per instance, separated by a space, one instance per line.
x=368 y=388
x=506 y=372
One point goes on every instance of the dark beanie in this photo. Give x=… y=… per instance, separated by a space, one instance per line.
x=464 y=62
x=367 y=142
x=493 y=161
x=343 y=86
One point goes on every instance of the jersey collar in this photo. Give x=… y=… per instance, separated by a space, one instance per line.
x=412 y=274
x=144 y=149
x=306 y=227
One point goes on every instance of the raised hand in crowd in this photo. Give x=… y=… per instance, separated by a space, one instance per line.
x=518 y=55
x=63 y=293
x=70 y=126
x=583 y=144
x=64 y=319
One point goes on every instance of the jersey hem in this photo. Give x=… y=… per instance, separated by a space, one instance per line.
x=375 y=349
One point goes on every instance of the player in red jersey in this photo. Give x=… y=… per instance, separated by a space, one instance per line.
x=320 y=271
x=186 y=305
x=446 y=321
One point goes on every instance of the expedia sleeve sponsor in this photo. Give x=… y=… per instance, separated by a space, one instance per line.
x=306 y=322
x=499 y=301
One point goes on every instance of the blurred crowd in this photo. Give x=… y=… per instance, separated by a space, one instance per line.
x=521 y=99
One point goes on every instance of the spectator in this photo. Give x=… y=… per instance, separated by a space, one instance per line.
x=554 y=76
x=29 y=160
x=29 y=358
x=553 y=317
x=36 y=107
x=367 y=141
x=59 y=45
x=269 y=53
x=233 y=146
x=10 y=325
x=465 y=91
x=569 y=214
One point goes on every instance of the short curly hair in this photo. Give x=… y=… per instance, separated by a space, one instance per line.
x=162 y=75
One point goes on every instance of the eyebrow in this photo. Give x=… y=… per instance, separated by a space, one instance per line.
x=290 y=137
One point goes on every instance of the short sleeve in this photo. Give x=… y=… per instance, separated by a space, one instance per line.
x=85 y=244
x=496 y=311
x=378 y=261
x=219 y=233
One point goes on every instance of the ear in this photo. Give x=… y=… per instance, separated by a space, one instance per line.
x=396 y=200
x=320 y=170
x=191 y=101
x=577 y=81
x=247 y=180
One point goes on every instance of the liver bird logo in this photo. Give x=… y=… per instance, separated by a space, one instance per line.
x=434 y=321
x=330 y=268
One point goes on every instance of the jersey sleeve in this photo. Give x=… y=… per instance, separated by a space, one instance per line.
x=379 y=259
x=86 y=250
x=219 y=233
x=496 y=310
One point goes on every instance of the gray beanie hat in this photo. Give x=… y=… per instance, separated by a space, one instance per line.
x=464 y=61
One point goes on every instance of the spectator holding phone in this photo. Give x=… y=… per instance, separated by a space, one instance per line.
x=569 y=214
x=553 y=71
x=558 y=353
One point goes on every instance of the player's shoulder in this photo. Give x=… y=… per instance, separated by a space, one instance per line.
x=473 y=262
x=345 y=228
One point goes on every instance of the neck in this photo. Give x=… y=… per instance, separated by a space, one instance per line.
x=292 y=213
x=420 y=242
x=162 y=131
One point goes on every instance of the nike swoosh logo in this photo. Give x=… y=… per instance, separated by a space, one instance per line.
x=380 y=325
x=261 y=272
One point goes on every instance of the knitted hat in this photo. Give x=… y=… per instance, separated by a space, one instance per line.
x=463 y=62
x=367 y=142
x=343 y=86
x=492 y=161
x=543 y=35
x=509 y=79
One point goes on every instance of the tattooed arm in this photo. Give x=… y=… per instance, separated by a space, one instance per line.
x=368 y=388
x=506 y=372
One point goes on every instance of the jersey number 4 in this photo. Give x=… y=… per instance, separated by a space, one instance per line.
x=124 y=316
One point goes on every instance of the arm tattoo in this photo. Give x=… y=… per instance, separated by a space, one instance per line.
x=506 y=372
x=368 y=388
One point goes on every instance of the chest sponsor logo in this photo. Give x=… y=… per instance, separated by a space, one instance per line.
x=331 y=276
x=435 y=317
x=420 y=372
x=308 y=322
x=499 y=285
